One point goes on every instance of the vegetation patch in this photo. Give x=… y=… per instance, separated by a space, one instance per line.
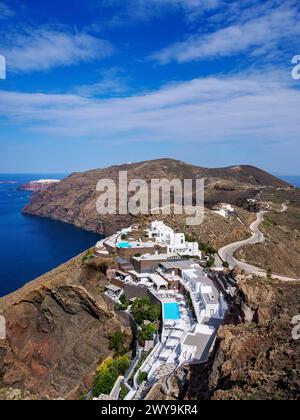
x=108 y=373
x=210 y=262
x=89 y=255
x=143 y=310
x=123 y=392
x=146 y=333
x=124 y=303
x=119 y=342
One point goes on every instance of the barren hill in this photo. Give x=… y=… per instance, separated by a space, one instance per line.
x=74 y=199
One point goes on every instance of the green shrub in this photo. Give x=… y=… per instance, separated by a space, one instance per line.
x=122 y=364
x=190 y=238
x=104 y=383
x=108 y=373
x=154 y=313
x=143 y=376
x=123 y=392
x=143 y=310
x=117 y=342
x=206 y=248
x=124 y=301
x=89 y=254
x=146 y=333
x=210 y=262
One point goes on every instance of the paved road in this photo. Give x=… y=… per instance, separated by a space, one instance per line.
x=227 y=252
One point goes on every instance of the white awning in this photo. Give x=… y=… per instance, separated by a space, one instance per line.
x=158 y=280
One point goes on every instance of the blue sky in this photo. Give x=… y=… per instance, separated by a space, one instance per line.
x=90 y=84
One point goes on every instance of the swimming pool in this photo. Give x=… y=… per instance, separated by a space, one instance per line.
x=171 y=311
x=124 y=245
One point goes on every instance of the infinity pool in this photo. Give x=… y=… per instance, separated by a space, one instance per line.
x=171 y=311
x=124 y=245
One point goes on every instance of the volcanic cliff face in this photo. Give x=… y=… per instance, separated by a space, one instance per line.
x=58 y=329
x=257 y=358
x=74 y=199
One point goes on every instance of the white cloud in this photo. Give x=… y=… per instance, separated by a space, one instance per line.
x=242 y=108
x=5 y=11
x=259 y=34
x=45 y=48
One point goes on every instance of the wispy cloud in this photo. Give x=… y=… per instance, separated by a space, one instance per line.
x=130 y=11
x=241 y=108
x=6 y=11
x=258 y=34
x=112 y=82
x=45 y=48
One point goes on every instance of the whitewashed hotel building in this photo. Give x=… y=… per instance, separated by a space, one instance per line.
x=175 y=242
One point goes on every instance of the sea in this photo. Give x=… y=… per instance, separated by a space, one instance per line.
x=30 y=246
x=294 y=180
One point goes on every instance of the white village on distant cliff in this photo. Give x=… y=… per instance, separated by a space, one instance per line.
x=161 y=264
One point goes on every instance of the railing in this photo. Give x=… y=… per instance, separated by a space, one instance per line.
x=147 y=361
x=133 y=364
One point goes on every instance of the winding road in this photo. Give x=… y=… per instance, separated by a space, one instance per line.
x=227 y=252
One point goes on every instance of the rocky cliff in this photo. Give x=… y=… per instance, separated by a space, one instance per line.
x=256 y=358
x=58 y=330
x=74 y=199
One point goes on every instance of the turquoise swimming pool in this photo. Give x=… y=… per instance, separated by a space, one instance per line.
x=124 y=245
x=171 y=311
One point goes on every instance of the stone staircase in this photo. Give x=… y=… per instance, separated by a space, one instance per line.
x=163 y=372
x=166 y=370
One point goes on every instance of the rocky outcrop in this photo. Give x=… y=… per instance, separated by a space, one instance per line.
x=40 y=185
x=255 y=303
x=256 y=358
x=58 y=331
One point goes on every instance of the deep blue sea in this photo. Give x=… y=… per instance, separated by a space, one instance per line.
x=295 y=180
x=31 y=246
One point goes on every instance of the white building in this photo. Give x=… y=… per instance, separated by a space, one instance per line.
x=224 y=210
x=196 y=346
x=205 y=295
x=175 y=242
